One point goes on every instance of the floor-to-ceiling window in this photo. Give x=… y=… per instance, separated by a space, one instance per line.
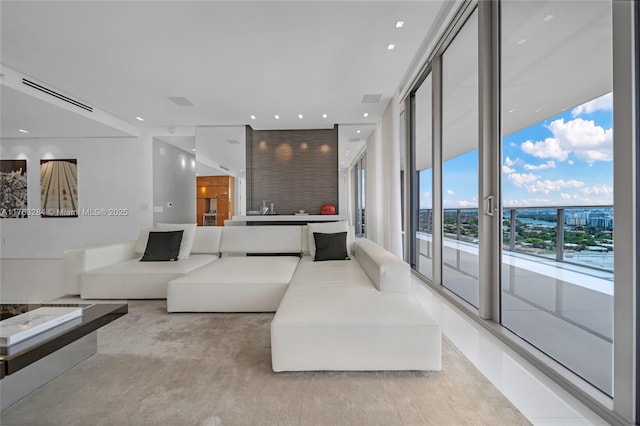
x=557 y=181
x=460 y=163
x=424 y=177
x=536 y=110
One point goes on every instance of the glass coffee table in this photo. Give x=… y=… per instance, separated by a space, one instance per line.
x=29 y=364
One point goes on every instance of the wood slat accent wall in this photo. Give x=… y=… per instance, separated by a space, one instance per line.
x=294 y=169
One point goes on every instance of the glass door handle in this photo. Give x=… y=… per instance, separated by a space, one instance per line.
x=491 y=209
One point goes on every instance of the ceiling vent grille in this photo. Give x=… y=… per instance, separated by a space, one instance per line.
x=354 y=139
x=233 y=141
x=371 y=99
x=224 y=168
x=56 y=95
x=180 y=101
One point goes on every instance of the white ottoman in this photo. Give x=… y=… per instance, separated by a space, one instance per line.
x=233 y=284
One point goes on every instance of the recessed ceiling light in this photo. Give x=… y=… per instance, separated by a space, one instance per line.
x=139 y=118
x=399 y=24
x=300 y=116
x=512 y=110
x=253 y=117
x=366 y=114
x=23 y=131
x=358 y=131
x=547 y=18
x=324 y=115
x=193 y=149
x=522 y=41
x=277 y=117
x=391 y=46
x=537 y=110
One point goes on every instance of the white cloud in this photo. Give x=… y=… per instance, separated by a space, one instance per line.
x=603 y=103
x=507 y=169
x=570 y=162
x=548 y=165
x=546 y=186
x=521 y=179
x=525 y=202
x=565 y=196
x=582 y=137
x=450 y=192
x=466 y=203
x=509 y=162
x=598 y=190
x=549 y=148
x=426 y=194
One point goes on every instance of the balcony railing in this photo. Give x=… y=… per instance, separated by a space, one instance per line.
x=581 y=235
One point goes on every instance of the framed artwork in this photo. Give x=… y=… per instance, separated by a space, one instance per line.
x=59 y=188
x=13 y=189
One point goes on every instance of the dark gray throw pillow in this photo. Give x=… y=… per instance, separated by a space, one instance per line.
x=162 y=246
x=331 y=246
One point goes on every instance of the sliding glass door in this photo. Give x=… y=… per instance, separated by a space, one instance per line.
x=460 y=163
x=422 y=105
x=557 y=181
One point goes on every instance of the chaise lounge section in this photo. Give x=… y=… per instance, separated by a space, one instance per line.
x=354 y=315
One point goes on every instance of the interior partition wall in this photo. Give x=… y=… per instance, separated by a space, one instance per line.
x=513 y=152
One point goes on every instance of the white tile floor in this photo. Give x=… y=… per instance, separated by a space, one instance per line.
x=540 y=399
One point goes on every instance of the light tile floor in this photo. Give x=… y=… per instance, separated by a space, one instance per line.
x=540 y=399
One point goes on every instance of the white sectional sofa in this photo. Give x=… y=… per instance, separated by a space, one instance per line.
x=330 y=315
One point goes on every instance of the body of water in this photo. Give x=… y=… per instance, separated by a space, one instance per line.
x=534 y=222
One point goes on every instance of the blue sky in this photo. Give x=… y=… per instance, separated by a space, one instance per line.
x=566 y=159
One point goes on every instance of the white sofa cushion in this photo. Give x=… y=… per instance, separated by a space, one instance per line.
x=343 y=273
x=261 y=239
x=330 y=228
x=207 y=239
x=187 y=236
x=233 y=284
x=133 y=279
x=389 y=273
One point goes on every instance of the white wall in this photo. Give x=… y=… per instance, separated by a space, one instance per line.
x=113 y=173
x=174 y=184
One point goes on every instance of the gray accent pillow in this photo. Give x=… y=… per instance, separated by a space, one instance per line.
x=162 y=246
x=330 y=246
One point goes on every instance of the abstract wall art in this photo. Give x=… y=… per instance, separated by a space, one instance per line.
x=13 y=188
x=59 y=188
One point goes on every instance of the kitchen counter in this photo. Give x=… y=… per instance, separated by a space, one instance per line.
x=288 y=219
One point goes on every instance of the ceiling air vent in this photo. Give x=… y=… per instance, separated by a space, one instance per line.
x=233 y=141
x=371 y=99
x=354 y=139
x=224 y=168
x=56 y=95
x=180 y=101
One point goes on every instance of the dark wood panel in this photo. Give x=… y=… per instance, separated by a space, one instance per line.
x=293 y=169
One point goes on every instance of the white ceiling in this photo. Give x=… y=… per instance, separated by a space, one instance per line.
x=548 y=66
x=45 y=119
x=230 y=59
